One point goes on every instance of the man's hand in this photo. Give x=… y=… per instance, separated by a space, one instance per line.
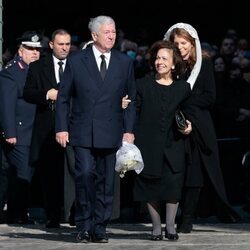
x=128 y=137
x=62 y=138
x=52 y=94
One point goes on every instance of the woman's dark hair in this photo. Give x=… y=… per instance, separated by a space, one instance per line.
x=179 y=32
x=177 y=58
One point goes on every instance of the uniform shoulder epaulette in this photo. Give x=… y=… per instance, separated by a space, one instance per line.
x=10 y=64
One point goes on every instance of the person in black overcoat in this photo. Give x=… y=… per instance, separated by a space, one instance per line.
x=160 y=142
x=203 y=173
x=46 y=155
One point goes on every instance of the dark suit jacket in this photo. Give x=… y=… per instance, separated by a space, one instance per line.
x=40 y=78
x=16 y=115
x=97 y=118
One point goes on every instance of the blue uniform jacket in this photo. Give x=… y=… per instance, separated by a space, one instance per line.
x=16 y=115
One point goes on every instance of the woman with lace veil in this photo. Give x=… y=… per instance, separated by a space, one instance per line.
x=204 y=179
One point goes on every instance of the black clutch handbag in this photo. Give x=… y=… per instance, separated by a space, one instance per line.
x=180 y=119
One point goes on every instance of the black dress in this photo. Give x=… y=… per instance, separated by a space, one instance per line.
x=161 y=144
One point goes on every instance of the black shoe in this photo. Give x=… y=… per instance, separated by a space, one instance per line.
x=2 y=218
x=72 y=221
x=170 y=236
x=185 y=227
x=100 y=238
x=72 y=216
x=20 y=221
x=83 y=237
x=52 y=224
x=227 y=217
x=25 y=221
x=156 y=237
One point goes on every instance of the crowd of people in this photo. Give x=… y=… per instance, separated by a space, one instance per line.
x=59 y=103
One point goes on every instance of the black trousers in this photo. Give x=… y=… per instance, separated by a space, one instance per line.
x=94 y=180
x=50 y=174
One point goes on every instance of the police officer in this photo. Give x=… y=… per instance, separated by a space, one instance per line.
x=16 y=120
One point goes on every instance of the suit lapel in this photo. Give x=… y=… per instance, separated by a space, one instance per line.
x=112 y=70
x=89 y=61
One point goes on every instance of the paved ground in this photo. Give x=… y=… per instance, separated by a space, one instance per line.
x=207 y=235
x=127 y=236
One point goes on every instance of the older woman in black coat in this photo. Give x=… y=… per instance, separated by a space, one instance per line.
x=160 y=142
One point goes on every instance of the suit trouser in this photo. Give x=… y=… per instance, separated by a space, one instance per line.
x=3 y=180
x=18 y=157
x=50 y=172
x=94 y=180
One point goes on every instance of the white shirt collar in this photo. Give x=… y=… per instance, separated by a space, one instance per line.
x=97 y=54
x=56 y=60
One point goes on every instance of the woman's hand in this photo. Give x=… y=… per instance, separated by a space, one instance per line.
x=188 y=129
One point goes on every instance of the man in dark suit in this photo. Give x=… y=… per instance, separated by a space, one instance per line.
x=16 y=119
x=46 y=155
x=97 y=125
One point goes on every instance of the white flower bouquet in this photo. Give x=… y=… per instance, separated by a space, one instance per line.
x=128 y=157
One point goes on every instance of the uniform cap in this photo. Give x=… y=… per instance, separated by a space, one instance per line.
x=30 y=39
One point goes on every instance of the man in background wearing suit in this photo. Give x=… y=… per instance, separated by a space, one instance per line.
x=47 y=156
x=97 y=124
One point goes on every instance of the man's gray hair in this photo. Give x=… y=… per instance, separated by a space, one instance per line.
x=96 y=22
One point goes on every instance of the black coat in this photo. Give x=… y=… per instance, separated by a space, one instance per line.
x=203 y=136
x=156 y=134
x=41 y=78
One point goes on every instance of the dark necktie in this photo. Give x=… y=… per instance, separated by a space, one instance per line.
x=60 y=71
x=103 y=67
